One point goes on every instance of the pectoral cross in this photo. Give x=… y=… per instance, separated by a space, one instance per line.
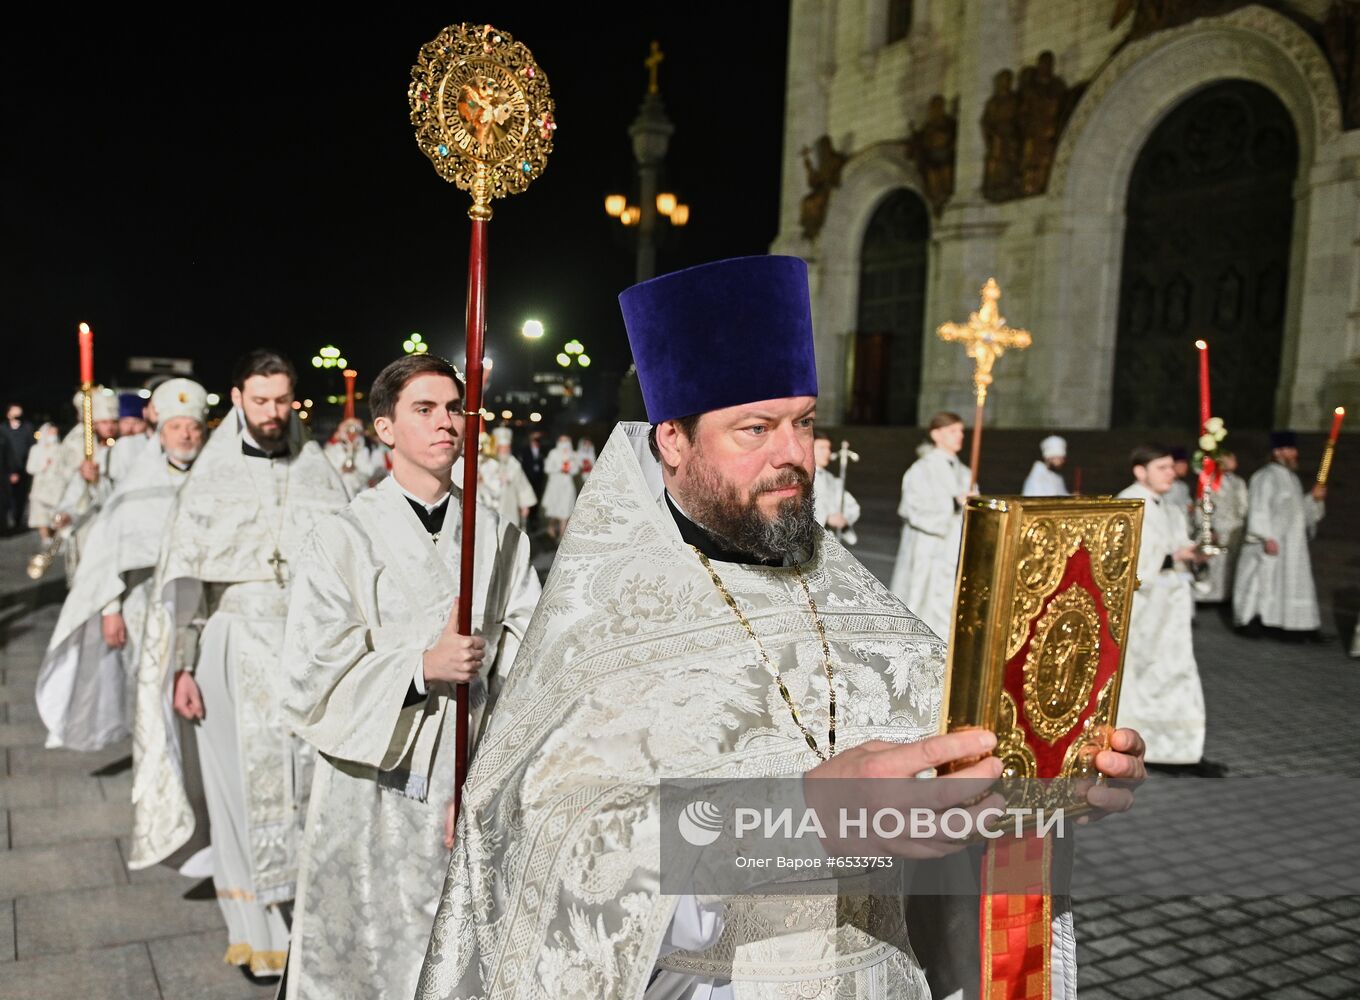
x=277 y=562
x=986 y=337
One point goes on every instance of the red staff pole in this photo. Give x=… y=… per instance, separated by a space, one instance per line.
x=472 y=428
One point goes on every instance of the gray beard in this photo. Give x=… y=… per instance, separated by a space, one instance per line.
x=740 y=526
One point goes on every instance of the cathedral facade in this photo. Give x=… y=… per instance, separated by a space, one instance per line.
x=1137 y=175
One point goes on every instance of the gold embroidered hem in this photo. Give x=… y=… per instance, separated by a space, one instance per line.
x=262 y=963
x=241 y=894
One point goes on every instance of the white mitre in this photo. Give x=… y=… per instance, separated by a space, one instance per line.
x=1053 y=447
x=502 y=435
x=180 y=397
x=103 y=403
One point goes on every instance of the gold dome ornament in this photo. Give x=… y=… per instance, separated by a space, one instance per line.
x=482 y=112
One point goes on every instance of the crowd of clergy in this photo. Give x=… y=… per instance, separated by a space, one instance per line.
x=1262 y=568
x=269 y=619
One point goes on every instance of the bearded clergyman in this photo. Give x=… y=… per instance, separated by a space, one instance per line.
x=698 y=622
x=373 y=654
x=502 y=484
x=85 y=686
x=214 y=643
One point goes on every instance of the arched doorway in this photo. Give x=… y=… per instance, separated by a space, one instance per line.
x=891 y=314
x=1206 y=254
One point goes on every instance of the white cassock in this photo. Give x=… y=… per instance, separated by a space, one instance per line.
x=44 y=492
x=1230 y=523
x=1278 y=588
x=932 y=530
x=50 y=486
x=126 y=450
x=373 y=592
x=1160 y=695
x=559 y=495
x=355 y=463
x=1044 y=482
x=503 y=486
x=634 y=668
x=218 y=608
x=829 y=496
x=85 y=688
x=82 y=501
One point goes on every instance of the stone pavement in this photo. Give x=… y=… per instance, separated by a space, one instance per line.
x=75 y=922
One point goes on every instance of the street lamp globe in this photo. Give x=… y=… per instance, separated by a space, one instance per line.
x=532 y=329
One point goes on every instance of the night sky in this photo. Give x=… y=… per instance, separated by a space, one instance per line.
x=198 y=188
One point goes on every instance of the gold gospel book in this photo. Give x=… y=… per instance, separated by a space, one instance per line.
x=1041 y=616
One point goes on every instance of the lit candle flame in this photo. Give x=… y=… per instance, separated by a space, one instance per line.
x=1203 y=346
x=84 y=328
x=1340 y=411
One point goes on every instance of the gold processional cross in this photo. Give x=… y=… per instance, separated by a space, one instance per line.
x=986 y=337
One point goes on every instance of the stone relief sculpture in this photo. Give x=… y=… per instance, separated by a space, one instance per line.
x=1042 y=101
x=1150 y=16
x=1001 y=139
x=932 y=148
x=824 y=167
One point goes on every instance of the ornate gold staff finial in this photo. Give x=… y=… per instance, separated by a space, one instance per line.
x=653 y=64
x=986 y=337
x=482 y=112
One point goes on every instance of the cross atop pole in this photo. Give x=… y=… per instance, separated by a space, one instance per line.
x=985 y=337
x=653 y=64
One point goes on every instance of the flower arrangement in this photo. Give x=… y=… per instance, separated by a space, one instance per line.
x=1207 y=462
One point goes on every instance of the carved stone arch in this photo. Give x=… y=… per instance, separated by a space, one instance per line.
x=868 y=179
x=1153 y=75
x=1084 y=208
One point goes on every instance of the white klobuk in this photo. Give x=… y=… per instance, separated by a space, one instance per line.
x=1279 y=588
x=1160 y=694
x=85 y=688
x=373 y=592
x=218 y=607
x=503 y=486
x=932 y=530
x=634 y=669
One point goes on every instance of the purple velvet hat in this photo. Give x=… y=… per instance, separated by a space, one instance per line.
x=130 y=404
x=1284 y=439
x=722 y=334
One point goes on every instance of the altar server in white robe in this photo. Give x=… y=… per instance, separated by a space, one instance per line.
x=1275 y=572
x=1045 y=476
x=89 y=482
x=1160 y=694
x=372 y=659
x=1231 y=501
x=88 y=675
x=42 y=458
x=836 y=507
x=934 y=491
x=214 y=647
x=351 y=456
x=693 y=571
x=559 y=495
x=502 y=484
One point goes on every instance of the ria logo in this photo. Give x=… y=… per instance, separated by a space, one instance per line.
x=701 y=823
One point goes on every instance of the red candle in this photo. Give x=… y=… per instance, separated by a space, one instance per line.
x=86 y=354
x=1338 y=415
x=1204 y=413
x=350 y=376
x=1076 y=482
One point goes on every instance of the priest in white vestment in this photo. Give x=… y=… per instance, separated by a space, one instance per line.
x=693 y=586
x=372 y=659
x=42 y=458
x=502 y=484
x=1045 y=476
x=88 y=675
x=934 y=491
x=1160 y=694
x=1231 y=501
x=88 y=482
x=836 y=507
x=214 y=646
x=1274 y=581
x=559 y=495
x=351 y=456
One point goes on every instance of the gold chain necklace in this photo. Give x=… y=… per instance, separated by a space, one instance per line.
x=769 y=664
